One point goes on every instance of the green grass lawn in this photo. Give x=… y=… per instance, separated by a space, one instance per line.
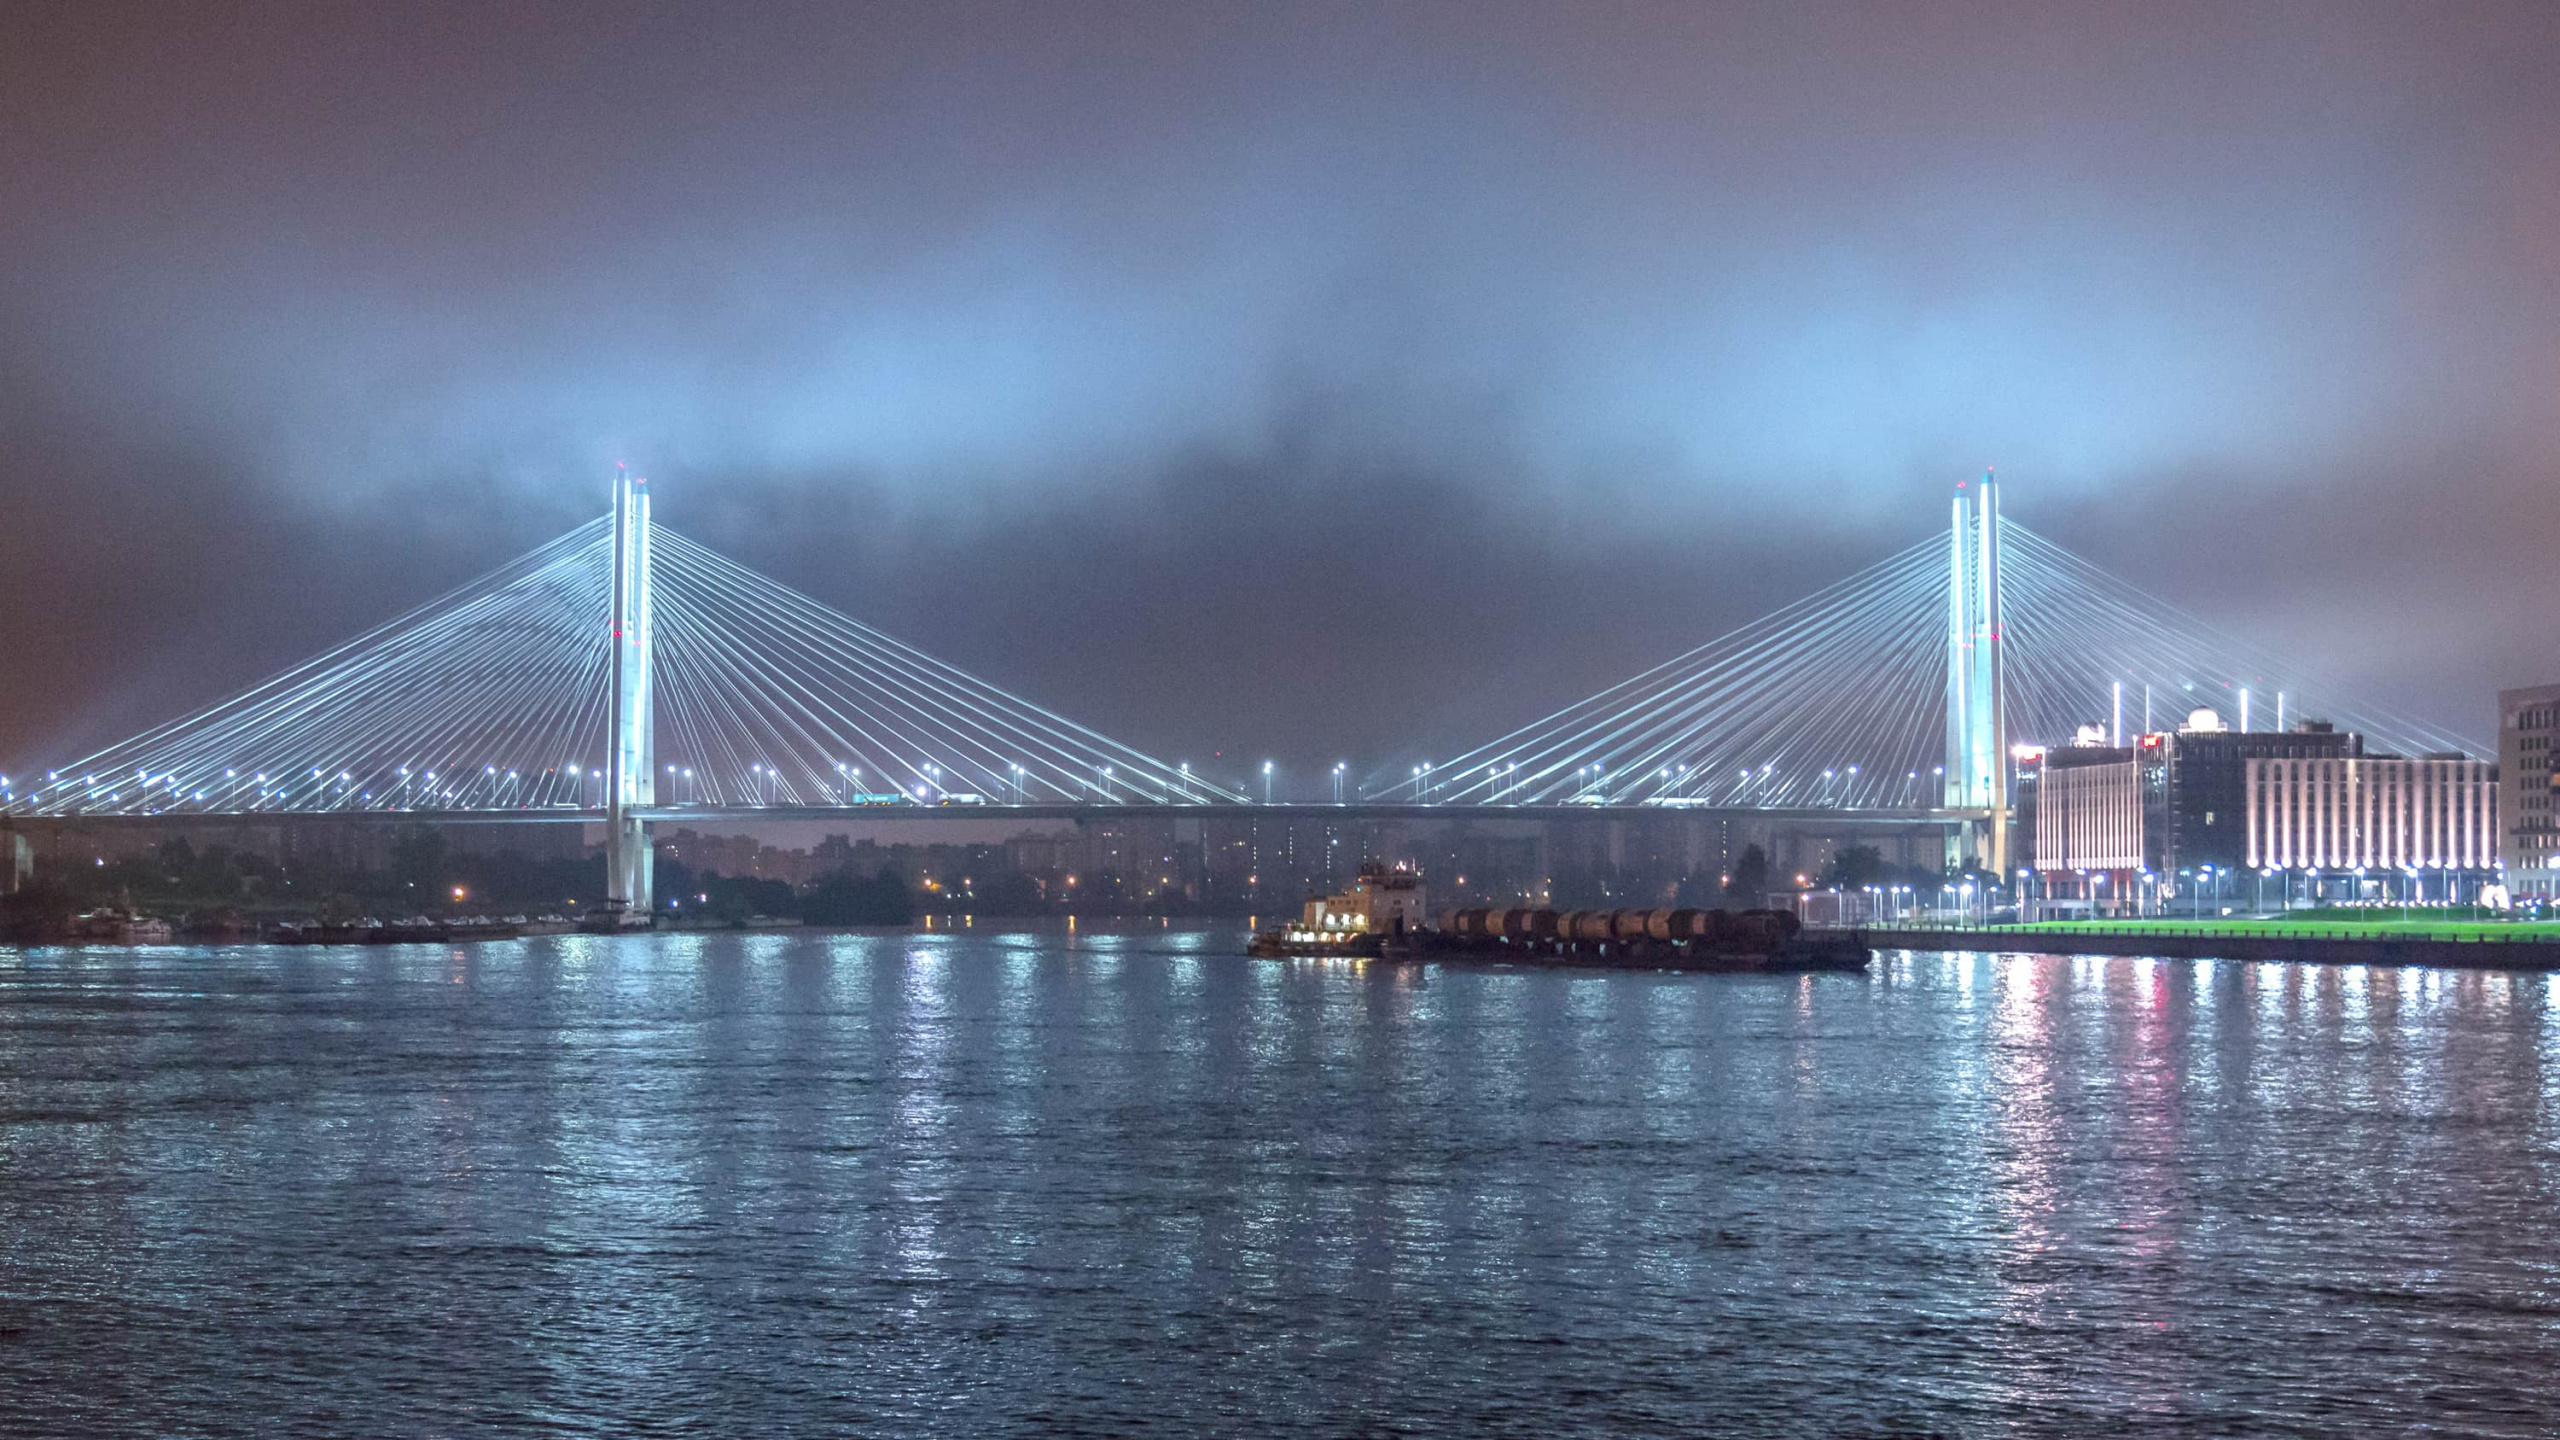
x=2326 y=924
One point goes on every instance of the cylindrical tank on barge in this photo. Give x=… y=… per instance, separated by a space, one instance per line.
x=1530 y=924
x=1673 y=924
x=1587 y=925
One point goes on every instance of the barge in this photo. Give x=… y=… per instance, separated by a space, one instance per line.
x=417 y=929
x=1380 y=917
x=1677 y=939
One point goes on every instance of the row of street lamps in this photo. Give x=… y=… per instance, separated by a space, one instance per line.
x=2152 y=891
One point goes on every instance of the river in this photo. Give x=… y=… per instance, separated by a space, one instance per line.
x=1018 y=1182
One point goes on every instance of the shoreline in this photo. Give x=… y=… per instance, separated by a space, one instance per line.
x=2344 y=948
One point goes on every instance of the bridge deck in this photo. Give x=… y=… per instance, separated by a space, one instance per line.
x=769 y=814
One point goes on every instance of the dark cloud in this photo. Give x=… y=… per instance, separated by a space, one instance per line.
x=1315 y=381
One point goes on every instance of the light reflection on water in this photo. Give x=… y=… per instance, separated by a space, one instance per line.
x=993 y=1181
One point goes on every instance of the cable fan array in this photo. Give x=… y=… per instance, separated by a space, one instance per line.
x=1839 y=700
x=497 y=697
x=487 y=697
x=2076 y=632
x=787 y=701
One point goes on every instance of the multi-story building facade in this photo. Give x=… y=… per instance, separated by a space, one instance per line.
x=2529 y=764
x=2373 y=813
x=2084 y=808
x=2208 y=814
x=2204 y=785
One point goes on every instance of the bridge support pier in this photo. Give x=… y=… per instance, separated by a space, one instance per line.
x=629 y=866
x=631 y=777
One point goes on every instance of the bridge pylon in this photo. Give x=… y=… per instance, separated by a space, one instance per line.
x=1977 y=771
x=631 y=770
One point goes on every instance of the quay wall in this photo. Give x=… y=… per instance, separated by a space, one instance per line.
x=2345 y=948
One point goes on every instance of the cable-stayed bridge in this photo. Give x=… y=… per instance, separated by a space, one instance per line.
x=624 y=675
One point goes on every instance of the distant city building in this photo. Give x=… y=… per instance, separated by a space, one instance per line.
x=2205 y=790
x=2373 y=813
x=2529 y=762
x=2082 y=808
x=2207 y=809
x=738 y=857
x=1044 y=853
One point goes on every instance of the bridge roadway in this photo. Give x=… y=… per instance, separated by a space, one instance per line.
x=1865 y=816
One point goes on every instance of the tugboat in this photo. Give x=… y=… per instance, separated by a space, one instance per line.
x=1380 y=906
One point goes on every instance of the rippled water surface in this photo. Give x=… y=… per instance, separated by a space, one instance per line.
x=1030 y=1183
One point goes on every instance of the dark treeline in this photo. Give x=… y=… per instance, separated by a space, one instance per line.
x=422 y=874
x=417 y=872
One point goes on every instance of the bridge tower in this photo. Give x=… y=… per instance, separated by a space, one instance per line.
x=1977 y=719
x=631 y=770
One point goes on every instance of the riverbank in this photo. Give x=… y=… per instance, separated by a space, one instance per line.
x=2485 y=946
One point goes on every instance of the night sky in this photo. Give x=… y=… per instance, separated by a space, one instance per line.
x=1323 y=381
